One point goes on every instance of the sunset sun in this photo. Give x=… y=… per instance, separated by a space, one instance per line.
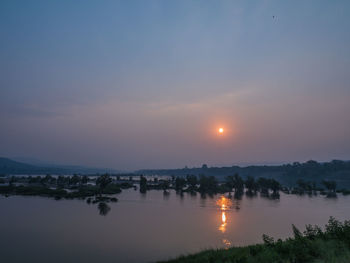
x=221 y=130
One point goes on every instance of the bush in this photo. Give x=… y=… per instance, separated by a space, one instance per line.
x=312 y=245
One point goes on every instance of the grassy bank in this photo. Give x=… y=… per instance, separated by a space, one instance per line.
x=313 y=245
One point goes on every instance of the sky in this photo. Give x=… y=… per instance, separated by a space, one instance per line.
x=147 y=84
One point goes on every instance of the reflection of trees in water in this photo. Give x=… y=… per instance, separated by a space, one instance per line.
x=250 y=194
x=238 y=195
x=193 y=193
x=103 y=208
x=166 y=195
x=181 y=196
x=237 y=205
x=205 y=195
x=143 y=195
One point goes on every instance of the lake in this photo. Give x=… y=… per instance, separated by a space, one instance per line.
x=152 y=226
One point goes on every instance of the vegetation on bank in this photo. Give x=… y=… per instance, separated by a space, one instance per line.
x=286 y=174
x=209 y=185
x=82 y=187
x=67 y=187
x=314 y=245
x=97 y=189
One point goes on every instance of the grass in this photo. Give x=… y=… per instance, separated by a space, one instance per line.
x=313 y=245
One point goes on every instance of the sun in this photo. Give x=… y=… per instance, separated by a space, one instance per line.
x=221 y=130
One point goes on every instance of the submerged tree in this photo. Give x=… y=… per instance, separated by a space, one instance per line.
x=192 y=182
x=103 y=181
x=208 y=184
x=165 y=184
x=84 y=179
x=331 y=187
x=238 y=185
x=143 y=184
x=61 y=181
x=305 y=185
x=274 y=185
x=251 y=185
x=48 y=179
x=180 y=183
x=229 y=183
x=103 y=208
x=74 y=180
x=263 y=184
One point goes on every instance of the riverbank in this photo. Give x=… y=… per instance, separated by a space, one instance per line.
x=312 y=245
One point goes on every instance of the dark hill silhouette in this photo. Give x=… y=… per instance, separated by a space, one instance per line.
x=8 y=166
x=287 y=174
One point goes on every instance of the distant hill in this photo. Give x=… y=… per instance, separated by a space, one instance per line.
x=287 y=174
x=8 y=166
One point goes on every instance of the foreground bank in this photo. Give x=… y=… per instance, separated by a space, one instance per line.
x=313 y=245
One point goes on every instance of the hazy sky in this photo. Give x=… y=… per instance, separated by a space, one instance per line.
x=146 y=84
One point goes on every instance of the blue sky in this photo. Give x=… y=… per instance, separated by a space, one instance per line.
x=141 y=84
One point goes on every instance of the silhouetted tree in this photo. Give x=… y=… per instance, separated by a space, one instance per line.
x=143 y=184
x=84 y=179
x=251 y=185
x=330 y=185
x=103 y=208
x=164 y=184
x=263 y=184
x=208 y=184
x=179 y=183
x=229 y=182
x=192 y=182
x=46 y=180
x=74 y=180
x=238 y=184
x=103 y=181
x=274 y=186
x=61 y=181
x=305 y=185
x=12 y=181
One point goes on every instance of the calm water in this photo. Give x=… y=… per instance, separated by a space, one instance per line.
x=146 y=228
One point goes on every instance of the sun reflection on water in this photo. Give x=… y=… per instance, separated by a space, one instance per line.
x=226 y=242
x=223 y=217
x=224 y=204
x=222 y=227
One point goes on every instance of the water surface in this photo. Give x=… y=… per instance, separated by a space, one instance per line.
x=150 y=227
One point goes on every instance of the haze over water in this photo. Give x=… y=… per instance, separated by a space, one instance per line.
x=150 y=227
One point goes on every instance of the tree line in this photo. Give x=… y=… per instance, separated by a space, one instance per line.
x=235 y=184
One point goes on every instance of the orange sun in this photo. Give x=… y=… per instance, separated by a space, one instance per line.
x=221 y=130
